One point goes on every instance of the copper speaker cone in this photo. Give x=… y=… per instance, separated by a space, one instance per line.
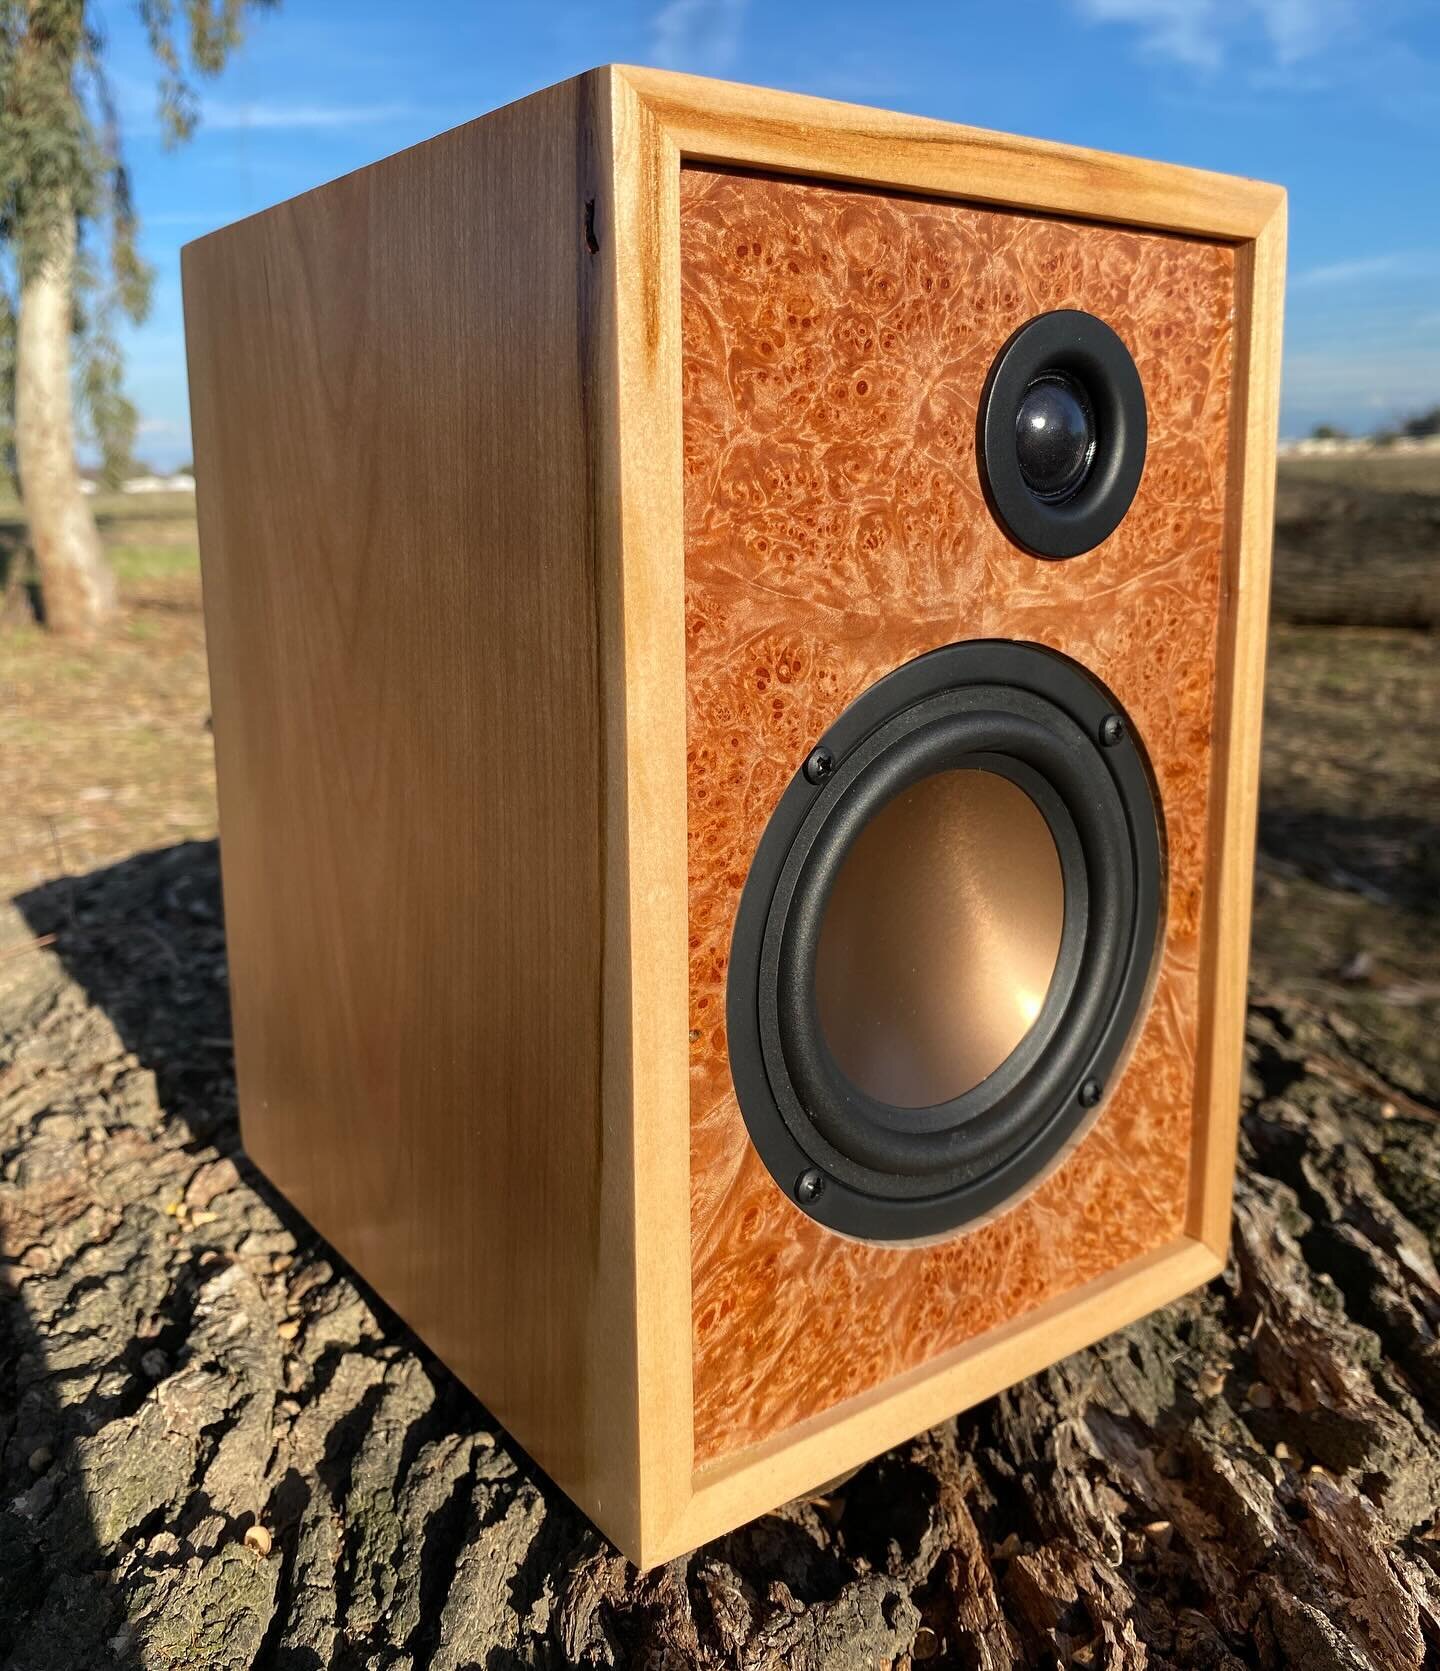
x=940 y=938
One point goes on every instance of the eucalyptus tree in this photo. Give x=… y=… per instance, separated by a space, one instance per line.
x=69 y=233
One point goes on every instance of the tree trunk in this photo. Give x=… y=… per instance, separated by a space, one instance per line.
x=76 y=583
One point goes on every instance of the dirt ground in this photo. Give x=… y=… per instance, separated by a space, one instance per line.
x=219 y=1450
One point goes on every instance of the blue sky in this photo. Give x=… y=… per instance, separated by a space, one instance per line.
x=1338 y=100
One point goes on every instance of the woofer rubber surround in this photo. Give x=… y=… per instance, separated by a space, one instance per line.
x=1080 y=347
x=866 y=1168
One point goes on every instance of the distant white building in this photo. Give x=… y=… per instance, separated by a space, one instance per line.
x=1346 y=446
x=1328 y=446
x=158 y=484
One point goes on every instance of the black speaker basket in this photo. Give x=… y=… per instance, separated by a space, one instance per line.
x=864 y=1167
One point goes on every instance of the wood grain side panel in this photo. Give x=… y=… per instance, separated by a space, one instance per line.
x=835 y=345
x=391 y=378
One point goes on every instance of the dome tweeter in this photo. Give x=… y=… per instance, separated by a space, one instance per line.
x=1062 y=434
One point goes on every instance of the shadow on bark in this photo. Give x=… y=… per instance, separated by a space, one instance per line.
x=54 y=1590
x=83 y=1346
x=139 y=959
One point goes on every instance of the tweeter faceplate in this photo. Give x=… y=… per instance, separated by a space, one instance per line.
x=1081 y=355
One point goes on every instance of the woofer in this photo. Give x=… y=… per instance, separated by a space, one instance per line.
x=940 y=937
x=944 y=940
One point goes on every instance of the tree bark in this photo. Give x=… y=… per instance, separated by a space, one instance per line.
x=219 y=1452
x=76 y=582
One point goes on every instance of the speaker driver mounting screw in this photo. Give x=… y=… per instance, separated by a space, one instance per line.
x=820 y=765
x=1090 y=1093
x=1112 y=730
x=810 y=1185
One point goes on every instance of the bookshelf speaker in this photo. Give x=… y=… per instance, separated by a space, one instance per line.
x=736 y=629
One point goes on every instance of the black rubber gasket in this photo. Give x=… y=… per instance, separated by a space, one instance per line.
x=1084 y=348
x=860 y=1166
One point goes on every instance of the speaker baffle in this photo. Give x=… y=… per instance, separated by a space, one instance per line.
x=945 y=940
x=1062 y=434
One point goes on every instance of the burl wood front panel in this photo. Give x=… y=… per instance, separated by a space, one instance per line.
x=835 y=346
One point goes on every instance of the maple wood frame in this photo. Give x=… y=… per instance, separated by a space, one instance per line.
x=657 y=121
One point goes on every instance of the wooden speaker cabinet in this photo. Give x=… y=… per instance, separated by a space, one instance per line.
x=736 y=627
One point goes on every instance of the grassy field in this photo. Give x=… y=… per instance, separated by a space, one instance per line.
x=1379 y=472
x=146 y=534
x=1347 y=895
x=173 y=510
x=108 y=751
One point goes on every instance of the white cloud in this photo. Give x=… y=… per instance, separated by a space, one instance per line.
x=219 y=116
x=859 y=79
x=1395 y=264
x=1184 y=30
x=1200 y=33
x=699 y=35
x=1299 y=29
x=136 y=100
x=1342 y=386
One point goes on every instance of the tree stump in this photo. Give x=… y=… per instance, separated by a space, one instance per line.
x=217 y=1449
